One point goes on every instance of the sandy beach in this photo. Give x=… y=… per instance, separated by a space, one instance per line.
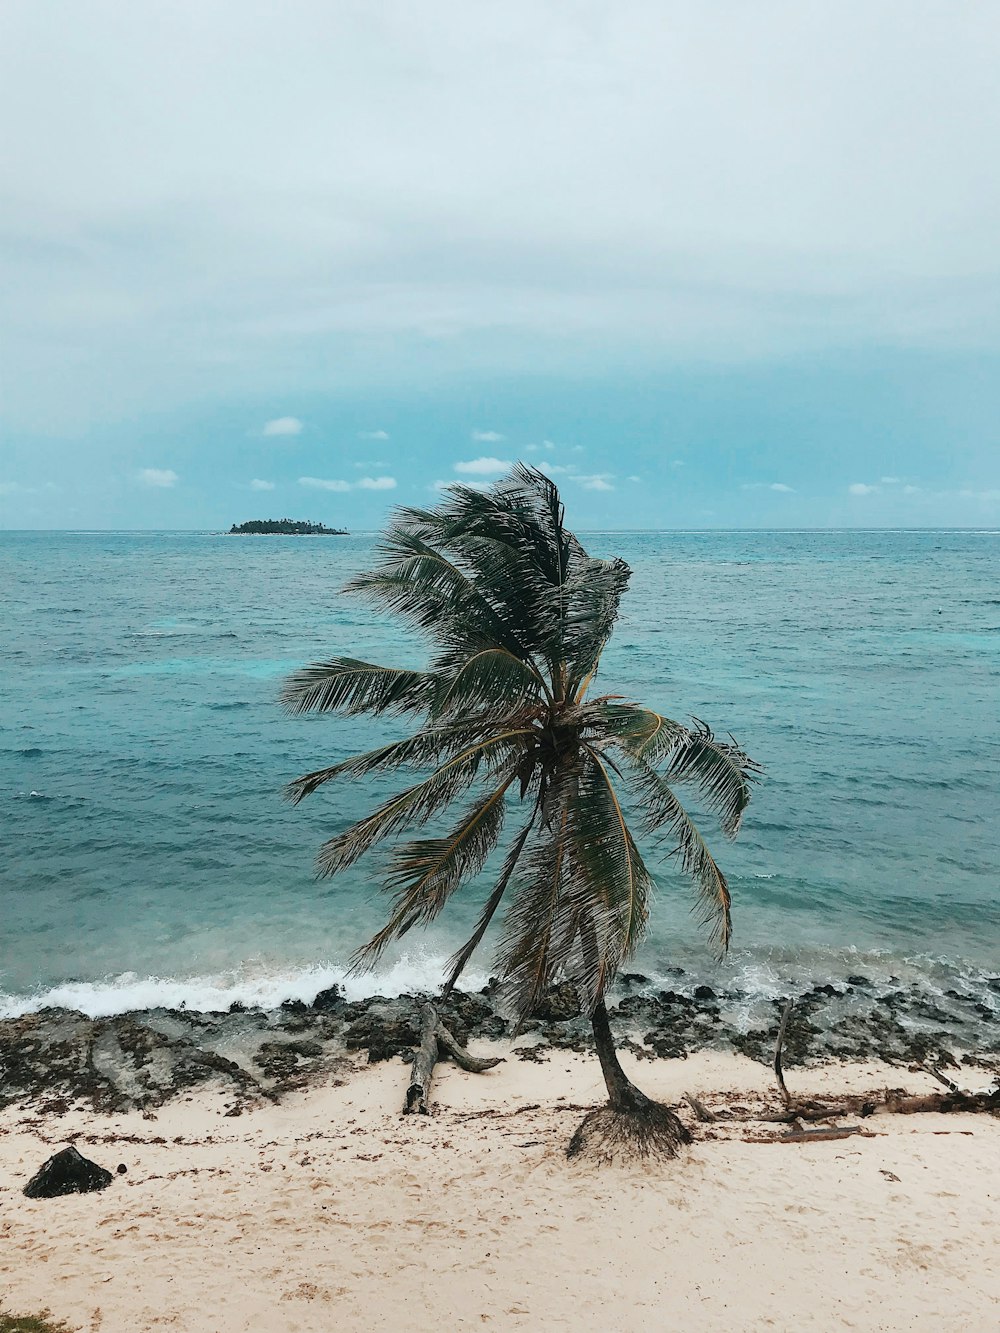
x=330 y=1210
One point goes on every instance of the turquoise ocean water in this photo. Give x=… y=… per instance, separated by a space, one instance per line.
x=148 y=857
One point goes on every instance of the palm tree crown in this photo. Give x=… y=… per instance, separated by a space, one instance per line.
x=518 y=615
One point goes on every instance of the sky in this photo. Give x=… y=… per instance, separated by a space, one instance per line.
x=710 y=264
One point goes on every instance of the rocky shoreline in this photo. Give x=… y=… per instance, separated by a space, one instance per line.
x=56 y=1060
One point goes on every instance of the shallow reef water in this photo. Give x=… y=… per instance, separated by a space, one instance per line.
x=150 y=862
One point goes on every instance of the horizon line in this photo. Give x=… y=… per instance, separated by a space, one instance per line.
x=363 y=532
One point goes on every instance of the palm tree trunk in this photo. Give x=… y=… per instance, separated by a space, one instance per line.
x=632 y=1124
x=622 y=1094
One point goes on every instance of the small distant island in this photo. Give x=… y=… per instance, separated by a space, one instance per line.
x=284 y=527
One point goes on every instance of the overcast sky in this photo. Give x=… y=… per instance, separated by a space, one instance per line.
x=714 y=264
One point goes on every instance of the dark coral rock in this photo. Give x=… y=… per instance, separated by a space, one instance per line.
x=666 y=1045
x=704 y=993
x=558 y=1004
x=329 y=1000
x=68 y=1172
x=382 y=1037
x=280 y=1059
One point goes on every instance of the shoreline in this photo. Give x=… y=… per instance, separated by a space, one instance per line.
x=58 y=1058
x=328 y=1208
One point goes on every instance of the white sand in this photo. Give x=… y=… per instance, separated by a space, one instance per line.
x=331 y=1212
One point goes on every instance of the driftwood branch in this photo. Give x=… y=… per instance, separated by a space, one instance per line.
x=944 y=1102
x=706 y=1116
x=785 y=1096
x=815 y=1135
x=803 y=1112
x=895 y=1103
x=436 y=1042
x=472 y=1064
x=424 y=1060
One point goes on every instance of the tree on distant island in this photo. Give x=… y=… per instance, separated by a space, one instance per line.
x=286 y=527
x=518 y=616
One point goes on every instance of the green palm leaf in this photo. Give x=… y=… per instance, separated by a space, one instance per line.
x=663 y=811
x=424 y=874
x=722 y=773
x=458 y=961
x=491 y=673
x=417 y=804
x=420 y=583
x=431 y=745
x=351 y=686
x=527 y=957
x=610 y=884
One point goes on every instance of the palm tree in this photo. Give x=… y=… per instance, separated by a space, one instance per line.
x=518 y=616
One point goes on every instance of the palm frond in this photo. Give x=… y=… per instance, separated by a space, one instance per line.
x=637 y=730
x=458 y=961
x=722 y=772
x=428 y=746
x=351 y=686
x=417 y=581
x=664 y=812
x=610 y=885
x=413 y=807
x=525 y=958
x=490 y=677
x=604 y=902
x=590 y=600
x=513 y=542
x=423 y=874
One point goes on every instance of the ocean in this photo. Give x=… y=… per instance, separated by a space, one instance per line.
x=149 y=859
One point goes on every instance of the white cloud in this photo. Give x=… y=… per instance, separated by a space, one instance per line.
x=258 y=485
x=782 y=488
x=768 y=486
x=283 y=426
x=158 y=476
x=483 y=467
x=598 y=481
x=373 y=434
x=487 y=436
x=469 y=485
x=861 y=488
x=889 y=481
x=321 y=484
x=362 y=484
x=635 y=478
x=554 y=469
x=392 y=255
x=912 y=490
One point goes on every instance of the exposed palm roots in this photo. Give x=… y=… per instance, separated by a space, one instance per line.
x=647 y=1131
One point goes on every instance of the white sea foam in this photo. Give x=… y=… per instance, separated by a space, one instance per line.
x=129 y=992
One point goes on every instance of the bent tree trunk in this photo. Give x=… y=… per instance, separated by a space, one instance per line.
x=623 y=1095
x=632 y=1124
x=436 y=1043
